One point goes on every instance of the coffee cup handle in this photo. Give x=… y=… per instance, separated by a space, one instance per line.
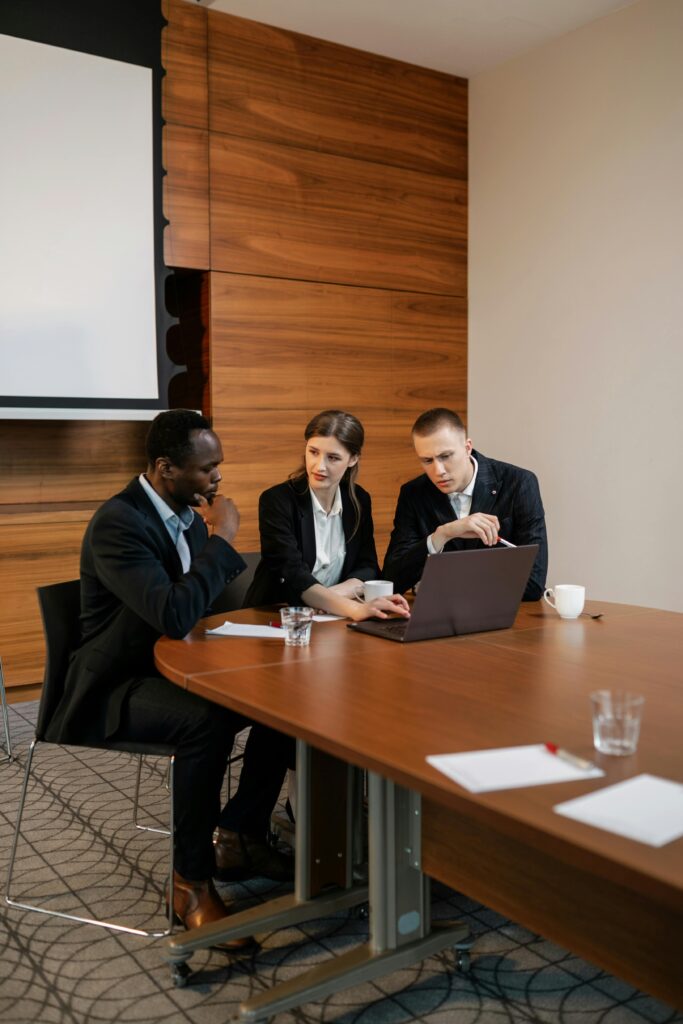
x=547 y=599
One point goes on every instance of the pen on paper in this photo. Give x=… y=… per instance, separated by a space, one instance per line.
x=506 y=543
x=579 y=762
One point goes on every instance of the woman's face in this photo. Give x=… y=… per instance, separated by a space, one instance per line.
x=326 y=462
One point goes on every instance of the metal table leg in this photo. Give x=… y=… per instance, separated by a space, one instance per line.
x=400 y=925
x=323 y=859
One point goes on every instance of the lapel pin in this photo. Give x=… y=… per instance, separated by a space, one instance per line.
x=493 y=492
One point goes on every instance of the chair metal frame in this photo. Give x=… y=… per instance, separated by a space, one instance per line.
x=5 y=717
x=68 y=591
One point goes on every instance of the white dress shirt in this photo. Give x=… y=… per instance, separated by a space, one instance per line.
x=330 y=543
x=175 y=523
x=461 y=502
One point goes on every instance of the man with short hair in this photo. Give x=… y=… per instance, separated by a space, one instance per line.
x=462 y=500
x=150 y=565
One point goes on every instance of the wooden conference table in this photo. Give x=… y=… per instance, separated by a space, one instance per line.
x=385 y=706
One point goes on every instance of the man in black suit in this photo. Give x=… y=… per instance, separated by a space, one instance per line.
x=150 y=565
x=462 y=500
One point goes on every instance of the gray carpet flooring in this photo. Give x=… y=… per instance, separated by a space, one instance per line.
x=81 y=853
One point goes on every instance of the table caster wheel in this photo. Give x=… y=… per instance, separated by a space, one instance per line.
x=360 y=912
x=180 y=974
x=463 y=961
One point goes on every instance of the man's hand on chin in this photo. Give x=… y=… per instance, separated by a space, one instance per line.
x=221 y=515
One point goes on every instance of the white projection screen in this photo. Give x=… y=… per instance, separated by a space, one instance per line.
x=78 y=328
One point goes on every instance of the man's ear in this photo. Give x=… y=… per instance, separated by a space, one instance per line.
x=165 y=468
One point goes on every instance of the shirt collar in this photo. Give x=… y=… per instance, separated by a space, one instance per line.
x=336 y=509
x=469 y=490
x=182 y=520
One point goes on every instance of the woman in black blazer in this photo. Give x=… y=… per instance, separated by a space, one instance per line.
x=317 y=543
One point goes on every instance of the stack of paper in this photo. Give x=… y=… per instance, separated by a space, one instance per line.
x=481 y=771
x=246 y=629
x=645 y=808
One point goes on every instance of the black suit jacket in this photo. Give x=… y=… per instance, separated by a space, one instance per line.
x=500 y=489
x=288 y=550
x=133 y=590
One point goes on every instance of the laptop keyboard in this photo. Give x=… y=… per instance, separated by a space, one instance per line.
x=394 y=627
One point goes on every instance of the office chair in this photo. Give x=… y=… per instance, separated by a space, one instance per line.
x=5 y=717
x=60 y=610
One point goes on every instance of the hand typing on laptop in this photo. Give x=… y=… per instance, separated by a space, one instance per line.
x=381 y=607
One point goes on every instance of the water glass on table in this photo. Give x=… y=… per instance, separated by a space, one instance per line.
x=296 y=623
x=616 y=721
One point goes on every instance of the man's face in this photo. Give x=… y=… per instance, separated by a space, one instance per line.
x=445 y=458
x=199 y=474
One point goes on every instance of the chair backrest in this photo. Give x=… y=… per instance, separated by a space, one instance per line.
x=60 y=608
x=232 y=596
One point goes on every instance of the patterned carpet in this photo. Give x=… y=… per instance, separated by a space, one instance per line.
x=83 y=854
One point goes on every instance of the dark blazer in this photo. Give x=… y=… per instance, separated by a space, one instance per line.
x=288 y=553
x=500 y=489
x=133 y=590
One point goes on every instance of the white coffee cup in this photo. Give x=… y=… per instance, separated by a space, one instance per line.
x=567 y=599
x=377 y=588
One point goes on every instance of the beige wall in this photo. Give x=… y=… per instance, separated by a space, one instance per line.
x=576 y=293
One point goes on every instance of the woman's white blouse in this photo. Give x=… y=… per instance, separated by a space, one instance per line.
x=330 y=543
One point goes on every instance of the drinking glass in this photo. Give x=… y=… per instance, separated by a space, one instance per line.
x=616 y=721
x=296 y=623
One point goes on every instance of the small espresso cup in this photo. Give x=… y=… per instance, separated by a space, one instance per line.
x=377 y=588
x=567 y=599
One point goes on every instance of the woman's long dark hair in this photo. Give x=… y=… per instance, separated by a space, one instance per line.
x=346 y=429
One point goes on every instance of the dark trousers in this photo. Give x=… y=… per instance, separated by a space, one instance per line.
x=203 y=733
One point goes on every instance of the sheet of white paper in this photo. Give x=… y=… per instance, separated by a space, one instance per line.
x=246 y=629
x=481 y=771
x=327 y=618
x=645 y=808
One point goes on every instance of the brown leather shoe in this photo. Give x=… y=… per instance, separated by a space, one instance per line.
x=240 y=856
x=198 y=903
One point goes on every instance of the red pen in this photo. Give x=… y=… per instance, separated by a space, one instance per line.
x=579 y=762
x=274 y=623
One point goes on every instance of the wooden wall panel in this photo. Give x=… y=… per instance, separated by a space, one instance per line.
x=184 y=57
x=283 y=350
x=186 y=197
x=55 y=474
x=286 y=212
x=278 y=86
x=35 y=549
x=60 y=462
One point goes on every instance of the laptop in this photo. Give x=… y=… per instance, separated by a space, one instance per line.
x=461 y=592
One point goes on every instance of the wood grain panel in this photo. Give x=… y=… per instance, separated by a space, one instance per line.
x=278 y=211
x=186 y=197
x=34 y=550
x=278 y=86
x=184 y=57
x=557 y=899
x=283 y=350
x=62 y=461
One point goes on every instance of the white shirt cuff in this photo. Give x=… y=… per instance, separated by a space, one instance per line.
x=431 y=546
